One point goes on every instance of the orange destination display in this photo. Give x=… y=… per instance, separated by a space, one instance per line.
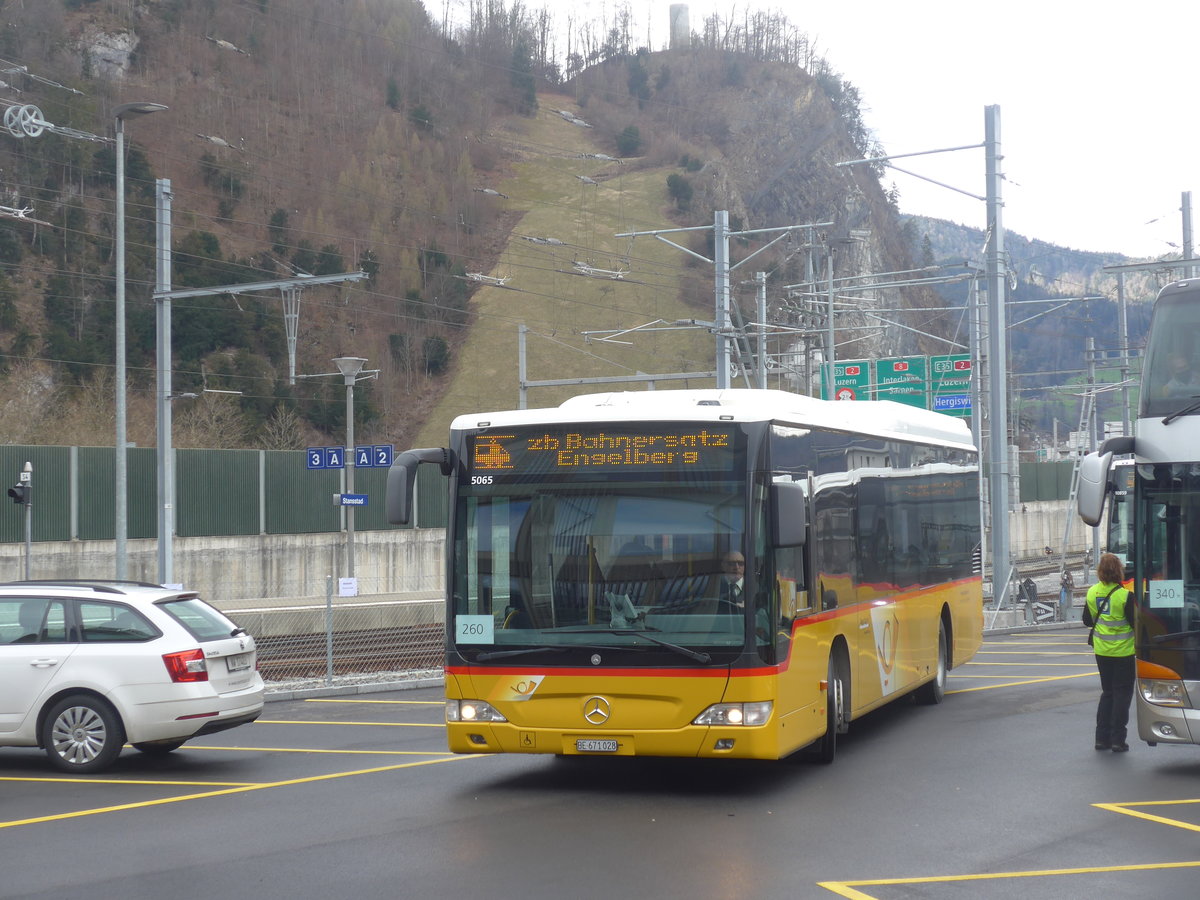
x=604 y=450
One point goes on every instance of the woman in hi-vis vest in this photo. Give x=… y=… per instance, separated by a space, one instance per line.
x=1109 y=611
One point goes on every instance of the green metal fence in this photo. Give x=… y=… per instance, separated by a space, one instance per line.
x=1045 y=481
x=217 y=492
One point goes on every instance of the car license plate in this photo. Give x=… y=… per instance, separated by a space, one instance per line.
x=238 y=662
x=590 y=745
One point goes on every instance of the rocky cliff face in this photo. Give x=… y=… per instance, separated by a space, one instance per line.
x=104 y=54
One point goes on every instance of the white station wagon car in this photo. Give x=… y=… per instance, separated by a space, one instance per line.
x=87 y=665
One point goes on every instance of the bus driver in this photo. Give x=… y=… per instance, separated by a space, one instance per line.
x=733 y=576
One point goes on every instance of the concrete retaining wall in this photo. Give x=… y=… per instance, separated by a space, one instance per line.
x=1032 y=527
x=405 y=564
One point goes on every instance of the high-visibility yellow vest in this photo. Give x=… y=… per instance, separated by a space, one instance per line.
x=1113 y=636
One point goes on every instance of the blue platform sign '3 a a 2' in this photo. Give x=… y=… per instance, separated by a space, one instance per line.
x=325 y=457
x=365 y=457
x=373 y=456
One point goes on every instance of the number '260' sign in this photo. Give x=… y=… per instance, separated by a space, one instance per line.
x=474 y=629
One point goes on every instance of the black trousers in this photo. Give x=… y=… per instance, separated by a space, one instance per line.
x=1117 y=675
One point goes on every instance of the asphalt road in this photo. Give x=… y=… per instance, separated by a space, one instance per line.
x=995 y=793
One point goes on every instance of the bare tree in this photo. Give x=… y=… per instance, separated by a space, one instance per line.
x=210 y=421
x=283 y=431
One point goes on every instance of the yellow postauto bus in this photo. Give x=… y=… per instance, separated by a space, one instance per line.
x=712 y=573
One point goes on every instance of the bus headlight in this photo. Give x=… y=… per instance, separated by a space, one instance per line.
x=472 y=711
x=1163 y=693
x=1161 y=685
x=735 y=714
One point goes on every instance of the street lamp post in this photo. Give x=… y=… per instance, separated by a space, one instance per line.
x=162 y=340
x=350 y=367
x=121 y=513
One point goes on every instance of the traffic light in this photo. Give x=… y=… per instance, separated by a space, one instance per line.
x=19 y=493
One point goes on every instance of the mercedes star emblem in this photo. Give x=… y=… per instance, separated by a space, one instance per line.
x=596 y=710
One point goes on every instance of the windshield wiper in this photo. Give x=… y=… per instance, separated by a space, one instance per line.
x=640 y=632
x=1190 y=408
x=1161 y=638
x=697 y=655
x=524 y=651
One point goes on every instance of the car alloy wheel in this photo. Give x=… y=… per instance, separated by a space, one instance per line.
x=82 y=734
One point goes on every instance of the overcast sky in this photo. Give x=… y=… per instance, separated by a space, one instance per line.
x=1099 y=128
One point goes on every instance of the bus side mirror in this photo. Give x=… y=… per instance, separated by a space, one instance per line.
x=402 y=475
x=791 y=513
x=1093 y=487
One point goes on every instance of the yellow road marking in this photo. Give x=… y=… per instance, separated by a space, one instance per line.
x=162 y=801
x=957 y=674
x=1030 y=653
x=846 y=888
x=394 y=702
x=992 y=687
x=335 y=722
x=1025 y=665
x=1125 y=810
x=68 y=780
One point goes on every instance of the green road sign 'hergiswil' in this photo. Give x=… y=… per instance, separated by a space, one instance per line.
x=950 y=384
x=851 y=380
x=903 y=379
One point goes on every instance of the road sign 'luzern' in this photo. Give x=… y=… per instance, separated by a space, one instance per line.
x=902 y=379
x=851 y=380
x=950 y=384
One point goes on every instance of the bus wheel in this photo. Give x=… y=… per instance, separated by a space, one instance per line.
x=931 y=693
x=825 y=748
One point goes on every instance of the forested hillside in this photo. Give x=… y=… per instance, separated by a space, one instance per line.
x=294 y=144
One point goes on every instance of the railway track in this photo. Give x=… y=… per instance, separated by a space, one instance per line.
x=374 y=650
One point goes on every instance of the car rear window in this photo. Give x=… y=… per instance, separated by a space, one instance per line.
x=108 y=622
x=201 y=620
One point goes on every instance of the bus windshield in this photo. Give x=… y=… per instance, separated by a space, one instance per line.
x=1171 y=378
x=565 y=565
x=615 y=552
x=1169 y=620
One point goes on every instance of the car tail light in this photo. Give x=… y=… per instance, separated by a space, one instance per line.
x=186 y=665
